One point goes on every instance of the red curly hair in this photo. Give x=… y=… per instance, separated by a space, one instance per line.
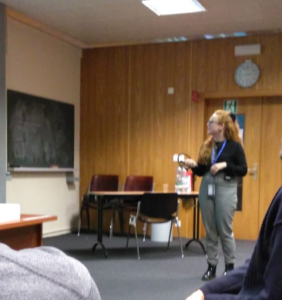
x=231 y=132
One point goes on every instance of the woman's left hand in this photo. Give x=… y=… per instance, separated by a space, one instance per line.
x=217 y=167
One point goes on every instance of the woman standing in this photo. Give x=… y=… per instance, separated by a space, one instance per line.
x=221 y=161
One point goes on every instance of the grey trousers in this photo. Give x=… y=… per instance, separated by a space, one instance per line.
x=218 y=213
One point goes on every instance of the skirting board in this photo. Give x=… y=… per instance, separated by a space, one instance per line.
x=57 y=232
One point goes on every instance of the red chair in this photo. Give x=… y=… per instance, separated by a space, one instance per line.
x=98 y=183
x=139 y=183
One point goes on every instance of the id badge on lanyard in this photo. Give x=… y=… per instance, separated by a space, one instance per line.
x=211 y=188
x=211 y=185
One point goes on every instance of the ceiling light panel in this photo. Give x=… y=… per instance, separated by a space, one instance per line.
x=173 y=7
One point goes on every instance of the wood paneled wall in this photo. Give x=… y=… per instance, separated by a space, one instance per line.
x=129 y=122
x=104 y=113
x=214 y=64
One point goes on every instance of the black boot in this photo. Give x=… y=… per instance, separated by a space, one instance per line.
x=210 y=273
x=228 y=267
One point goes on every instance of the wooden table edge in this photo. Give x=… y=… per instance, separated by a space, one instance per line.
x=27 y=220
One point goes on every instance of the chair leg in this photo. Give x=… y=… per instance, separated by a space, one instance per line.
x=144 y=231
x=112 y=223
x=132 y=221
x=136 y=238
x=128 y=233
x=88 y=219
x=79 y=221
x=121 y=220
x=180 y=242
x=168 y=243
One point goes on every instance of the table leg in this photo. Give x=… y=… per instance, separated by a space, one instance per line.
x=196 y=225
x=102 y=245
x=100 y=201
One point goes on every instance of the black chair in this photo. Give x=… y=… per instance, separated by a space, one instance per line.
x=98 y=183
x=156 y=208
x=137 y=183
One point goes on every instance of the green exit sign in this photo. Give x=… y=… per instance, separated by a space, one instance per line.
x=230 y=105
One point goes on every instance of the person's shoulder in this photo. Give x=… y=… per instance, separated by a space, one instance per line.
x=66 y=271
x=278 y=197
x=234 y=144
x=275 y=208
x=52 y=269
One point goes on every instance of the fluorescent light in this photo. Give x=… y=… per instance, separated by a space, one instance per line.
x=173 y=7
x=229 y=34
x=169 y=40
x=224 y=35
x=240 y=33
x=209 y=36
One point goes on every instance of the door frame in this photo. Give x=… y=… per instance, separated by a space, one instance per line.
x=240 y=94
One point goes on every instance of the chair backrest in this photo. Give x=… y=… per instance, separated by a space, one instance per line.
x=163 y=205
x=139 y=183
x=104 y=183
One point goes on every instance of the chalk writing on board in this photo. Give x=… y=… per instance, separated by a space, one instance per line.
x=40 y=132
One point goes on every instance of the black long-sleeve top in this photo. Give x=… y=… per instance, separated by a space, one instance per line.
x=234 y=156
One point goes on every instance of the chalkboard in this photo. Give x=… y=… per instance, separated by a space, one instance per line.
x=40 y=132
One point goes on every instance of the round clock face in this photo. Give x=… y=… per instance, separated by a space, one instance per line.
x=247 y=74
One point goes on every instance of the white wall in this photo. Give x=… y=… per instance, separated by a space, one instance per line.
x=41 y=65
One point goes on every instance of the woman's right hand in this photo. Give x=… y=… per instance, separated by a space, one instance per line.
x=190 y=163
x=198 y=295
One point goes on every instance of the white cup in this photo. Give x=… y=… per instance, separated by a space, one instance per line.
x=165 y=187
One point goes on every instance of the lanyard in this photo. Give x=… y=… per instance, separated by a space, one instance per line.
x=214 y=159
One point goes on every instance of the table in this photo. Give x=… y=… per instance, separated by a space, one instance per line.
x=103 y=197
x=24 y=233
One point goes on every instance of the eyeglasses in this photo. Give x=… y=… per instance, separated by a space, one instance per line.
x=210 y=122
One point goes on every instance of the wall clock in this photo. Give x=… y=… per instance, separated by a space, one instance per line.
x=247 y=74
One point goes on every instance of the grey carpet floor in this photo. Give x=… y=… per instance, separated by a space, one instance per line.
x=158 y=275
